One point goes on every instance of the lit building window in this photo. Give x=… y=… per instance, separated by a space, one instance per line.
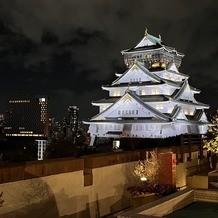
x=154 y=65
x=142 y=92
x=167 y=92
x=42 y=99
x=117 y=93
x=155 y=91
x=186 y=111
x=169 y=110
x=149 y=56
x=159 y=106
x=104 y=107
x=163 y=65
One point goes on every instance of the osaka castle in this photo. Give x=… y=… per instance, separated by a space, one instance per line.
x=151 y=99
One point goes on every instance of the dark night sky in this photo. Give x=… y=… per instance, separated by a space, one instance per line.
x=68 y=49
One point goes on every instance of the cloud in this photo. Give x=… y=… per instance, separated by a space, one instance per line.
x=68 y=97
x=70 y=48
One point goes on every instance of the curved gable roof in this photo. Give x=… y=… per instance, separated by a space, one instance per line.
x=131 y=97
x=142 y=69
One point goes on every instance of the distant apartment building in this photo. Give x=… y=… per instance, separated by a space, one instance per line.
x=26 y=116
x=70 y=122
x=42 y=145
x=73 y=112
x=1 y=126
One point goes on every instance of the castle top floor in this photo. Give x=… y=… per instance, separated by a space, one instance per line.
x=153 y=53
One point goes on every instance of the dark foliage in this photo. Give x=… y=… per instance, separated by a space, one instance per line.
x=163 y=189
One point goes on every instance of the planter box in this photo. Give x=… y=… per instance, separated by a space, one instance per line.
x=139 y=201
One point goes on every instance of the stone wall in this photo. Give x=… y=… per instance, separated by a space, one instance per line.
x=65 y=195
x=206 y=195
x=172 y=203
x=92 y=186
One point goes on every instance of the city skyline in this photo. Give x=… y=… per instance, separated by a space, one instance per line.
x=67 y=50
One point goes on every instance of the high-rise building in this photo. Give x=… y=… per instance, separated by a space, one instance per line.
x=26 y=116
x=70 y=123
x=151 y=99
x=73 y=112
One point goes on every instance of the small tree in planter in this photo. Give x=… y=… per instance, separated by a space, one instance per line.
x=212 y=144
x=147 y=170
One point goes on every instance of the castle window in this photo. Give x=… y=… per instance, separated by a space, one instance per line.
x=142 y=92
x=155 y=91
x=167 y=92
x=117 y=93
x=156 y=64
x=104 y=107
x=159 y=106
x=149 y=56
x=170 y=110
x=186 y=111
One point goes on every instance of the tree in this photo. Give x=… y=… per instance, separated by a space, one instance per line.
x=147 y=169
x=61 y=147
x=211 y=144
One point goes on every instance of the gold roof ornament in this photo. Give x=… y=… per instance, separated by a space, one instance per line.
x=135 y=61
x=146 y=31
x=127 y=98
x=159 y=36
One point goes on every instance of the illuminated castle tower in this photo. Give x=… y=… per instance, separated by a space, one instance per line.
x=151 y=99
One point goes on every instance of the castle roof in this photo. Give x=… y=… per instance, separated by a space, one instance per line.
x=150 y=42
x=132 y=99
x=138 y=69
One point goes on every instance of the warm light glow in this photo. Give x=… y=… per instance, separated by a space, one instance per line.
x=155 y=91
x=148 y=169
x=143 y=179
x=104 y=107
x=159 y=106
x=116 y=93
x=167 y=92
x=142 y=92
x=155 y=65
x=149 y=56
x=169 y=110
x=42 y=99
x=163 y=65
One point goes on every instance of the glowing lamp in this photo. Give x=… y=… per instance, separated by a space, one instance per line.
x=143 y=178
